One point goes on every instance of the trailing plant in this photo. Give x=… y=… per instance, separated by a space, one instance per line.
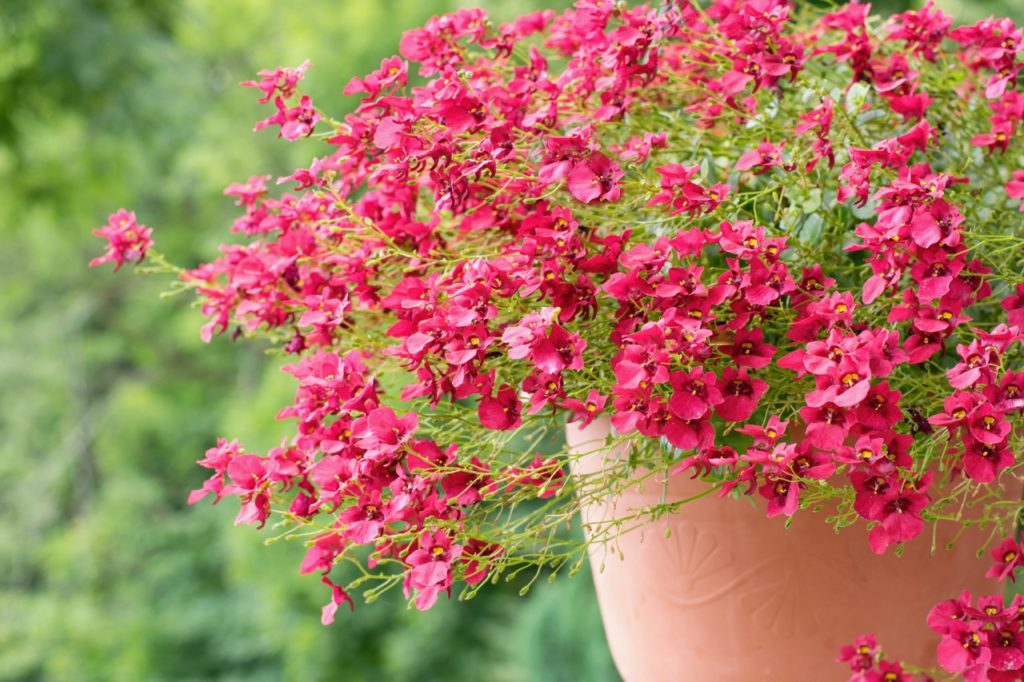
x=781 y=250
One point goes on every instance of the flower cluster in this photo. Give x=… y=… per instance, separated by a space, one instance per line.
x=777 y=251
x=378 y=484
x=981 y=642
x=127 y=240
x=868 y=665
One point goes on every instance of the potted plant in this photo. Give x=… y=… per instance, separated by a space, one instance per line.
x=746 y=251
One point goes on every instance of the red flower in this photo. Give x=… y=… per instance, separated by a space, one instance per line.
x=1015 y=187
x=740 y=395
x=502 y=411
x=586 y=411
x=748 y=349
x=127 y=240
x=295 y=122
x=860 y=656
x=988 y=426
x=596 y=178
x=1007 y=557
x=764 y=158
x=430 y=568
x=983 y=462
x=382 y=430
x=338 y=597
x=282 y=80
x=694 y=394
x=964 y=649
x=899 y=511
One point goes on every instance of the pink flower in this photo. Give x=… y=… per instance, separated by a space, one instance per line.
x=1015 y=187
x=695 y=393
x=943 y=615
x=338 y=597
x=559 y=350
x=988 y=426
x=827 y=426
x=127 y=240
x=282 y=80
x=965 y=649
x=596 y=178
x=783 y=496
x=217 y=458
x=295 y=122
x=251 y=483
x=740 y=394
x=899 y=511
x=983 y=462
x=1007 y=558
x=764 y=158
x=748 y=349
x=502 y=411
x=586 y=411
x=383 y=430
x=860 y=656
x=430 y=568
x=393 y=72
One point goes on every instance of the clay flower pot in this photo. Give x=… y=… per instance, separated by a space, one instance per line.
x=732 y=596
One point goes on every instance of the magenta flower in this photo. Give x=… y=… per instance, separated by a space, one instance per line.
x=217 y=458
x=338 y=597
x=501 y=412
x=1007 y=647
x=988 y=426
x=430 y=568
x=880 y=408
x=295 y=122
x=596 y=178
x=1008 y=394
x=783 y=496
x=827 y=425
x=1007 y=557
x=393 y=73
x=127 y=240
x=860 y=656
x=945 y=614
x=281 y=80
x=250 y=482
x=382 y=430
x=365 y=520
x=888 y=671
x=558 y=350
x=586 y=411
x=1014 y=304
x=694 y=394
x=964 y=649
x=983 y=462
x=900 y=514
x=764 y=158
x=1015 y=187
x=740 y=395
x=748 y=349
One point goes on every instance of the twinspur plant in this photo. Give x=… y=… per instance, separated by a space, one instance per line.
x=781 y=249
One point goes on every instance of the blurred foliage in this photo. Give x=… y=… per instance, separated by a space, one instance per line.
x=108 y=396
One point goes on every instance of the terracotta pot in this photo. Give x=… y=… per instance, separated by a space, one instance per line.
x=732 y=596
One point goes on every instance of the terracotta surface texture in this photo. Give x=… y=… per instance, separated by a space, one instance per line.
x=734 y=596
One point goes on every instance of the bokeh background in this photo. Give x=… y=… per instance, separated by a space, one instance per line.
x=107 y=395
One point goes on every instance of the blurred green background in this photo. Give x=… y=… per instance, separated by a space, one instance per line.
x=107 y=396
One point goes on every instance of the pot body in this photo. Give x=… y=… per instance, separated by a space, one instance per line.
x=732 y=596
